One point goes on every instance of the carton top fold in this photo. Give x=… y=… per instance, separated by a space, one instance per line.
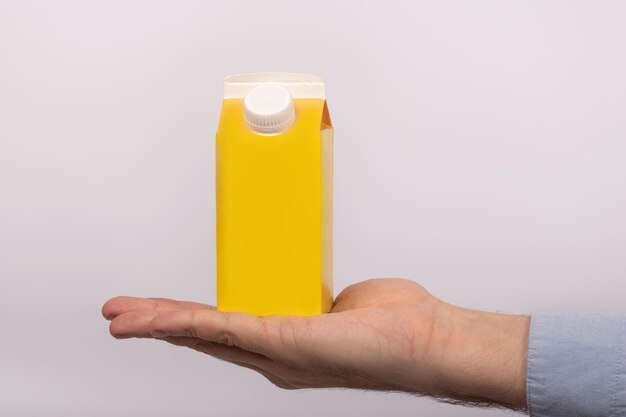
x=298 y=85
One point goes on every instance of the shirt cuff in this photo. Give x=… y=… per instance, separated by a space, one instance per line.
x=576 y=365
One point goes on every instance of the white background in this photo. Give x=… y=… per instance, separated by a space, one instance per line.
x=480 y=150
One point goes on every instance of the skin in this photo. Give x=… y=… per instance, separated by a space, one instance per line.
x=382 y=334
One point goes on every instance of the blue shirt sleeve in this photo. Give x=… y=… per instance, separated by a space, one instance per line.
x=577 y=365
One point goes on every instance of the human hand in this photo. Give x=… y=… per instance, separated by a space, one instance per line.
x=382 y=334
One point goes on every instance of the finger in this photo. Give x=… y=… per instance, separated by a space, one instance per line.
x=137 y=324
x=184 y=304
x=122 y=304
x=233 y=354
x=132 y=324
x=245 y=331
x=223 y=352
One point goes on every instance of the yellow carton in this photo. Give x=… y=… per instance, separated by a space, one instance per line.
x=274 y=195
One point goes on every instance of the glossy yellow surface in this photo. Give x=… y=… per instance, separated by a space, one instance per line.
x=274 y=213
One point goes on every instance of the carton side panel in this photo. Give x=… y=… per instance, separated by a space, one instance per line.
x=327 y=146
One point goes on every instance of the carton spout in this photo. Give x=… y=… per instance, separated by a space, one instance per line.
x=269 y=109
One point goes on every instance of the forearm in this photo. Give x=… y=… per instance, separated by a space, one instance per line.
x=491 y=353
x=478 y=357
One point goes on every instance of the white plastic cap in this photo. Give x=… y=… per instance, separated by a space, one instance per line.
x=268 y=109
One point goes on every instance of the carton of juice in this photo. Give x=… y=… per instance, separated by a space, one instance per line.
x=274 y=195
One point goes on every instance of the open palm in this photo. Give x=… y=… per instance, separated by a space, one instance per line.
x=372 y=324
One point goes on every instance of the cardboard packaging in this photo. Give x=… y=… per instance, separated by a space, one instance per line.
x=274 y=195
